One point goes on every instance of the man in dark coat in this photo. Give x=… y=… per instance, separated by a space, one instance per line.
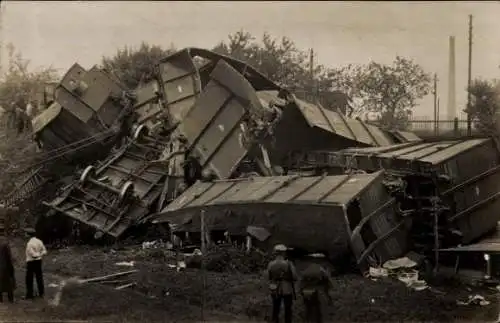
x=7 y=275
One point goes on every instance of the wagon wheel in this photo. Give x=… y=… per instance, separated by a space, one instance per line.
x=126 y=191
x=139 y=131
x=88 y=173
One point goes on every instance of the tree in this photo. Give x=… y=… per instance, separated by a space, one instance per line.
x=135 y=65
x=485 y=104
x=19 y=84
x=281 y=61
x=389 y=91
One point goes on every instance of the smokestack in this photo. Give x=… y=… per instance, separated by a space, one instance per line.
x=451 y=81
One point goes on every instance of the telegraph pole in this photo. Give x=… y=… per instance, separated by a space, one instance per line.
x=311 y=64
x=1 y=39
x=469 y=121
x=434 y=92
x=311 y=75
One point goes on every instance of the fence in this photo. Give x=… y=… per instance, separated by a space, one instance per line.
x=442 y=128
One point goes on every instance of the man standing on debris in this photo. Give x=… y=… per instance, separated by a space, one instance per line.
x=282 y=276
x=35 y=250
x=315 y=279
x=7 y=275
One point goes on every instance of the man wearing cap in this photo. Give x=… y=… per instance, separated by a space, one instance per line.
x=7 y=276
x=35 y=250
x=282 y=276
x=314 y=280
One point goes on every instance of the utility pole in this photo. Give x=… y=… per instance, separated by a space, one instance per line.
x=1 y=39
x=434 y=92
x=469 y=121
x=311 y=74
x=311 y=64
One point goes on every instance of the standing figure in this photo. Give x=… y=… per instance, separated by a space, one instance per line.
x=315 y=279
x=35 y=250
x=282 y=276
x=7 y=275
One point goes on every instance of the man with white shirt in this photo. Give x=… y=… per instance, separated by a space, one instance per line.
x=35 y=250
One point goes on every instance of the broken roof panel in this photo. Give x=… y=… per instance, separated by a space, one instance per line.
x=258 y=80
x=406 y=136
x=336 y=123
x=488 y=244
x=421 y=157
x=326 y=213
x=44 y=118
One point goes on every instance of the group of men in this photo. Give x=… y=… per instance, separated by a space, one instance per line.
x=282 y=276
x=35 y=250
x=314 y=281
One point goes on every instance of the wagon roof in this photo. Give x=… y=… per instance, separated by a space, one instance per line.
x=44 y=118
x=320 y=190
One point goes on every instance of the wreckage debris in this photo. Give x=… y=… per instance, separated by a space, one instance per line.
x=119 y=192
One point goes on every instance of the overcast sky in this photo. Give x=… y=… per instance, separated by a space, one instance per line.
x=61 y=33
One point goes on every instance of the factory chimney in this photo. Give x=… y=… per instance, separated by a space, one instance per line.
x=452 y=112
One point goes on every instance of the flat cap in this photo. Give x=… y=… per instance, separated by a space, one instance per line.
x=280 y=247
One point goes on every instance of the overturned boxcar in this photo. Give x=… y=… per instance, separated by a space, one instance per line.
x=118 y=192
x=184 y=74
x=456 y=180
x=86 y=115
x=330 y=214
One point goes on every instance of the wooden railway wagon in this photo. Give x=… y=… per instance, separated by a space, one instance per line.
x=330 y=214
x=455 y=181
x=120 y=191
x=87 y=113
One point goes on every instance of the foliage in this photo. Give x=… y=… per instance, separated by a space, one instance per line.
x=390 y=91
x=485 y=104
x=134 y=66
x=19 y=84
x=281 y=61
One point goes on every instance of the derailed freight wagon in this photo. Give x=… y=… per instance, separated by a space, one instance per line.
x=120 y=191
x=86 y=115
x=455 y=181
x=304 y=127
x=181 y=78
x=330 y=214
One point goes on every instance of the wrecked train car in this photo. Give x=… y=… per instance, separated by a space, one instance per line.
x=330 y=214
x=221 y=128
x=88 y=110
x=316 y=128
x=182 y=76
x=118 y=192
x=457 y=181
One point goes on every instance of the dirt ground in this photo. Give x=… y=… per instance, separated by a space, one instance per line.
x=164 y=295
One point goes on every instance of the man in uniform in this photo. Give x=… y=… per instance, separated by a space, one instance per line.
x=282 y=276
x=315 y=279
